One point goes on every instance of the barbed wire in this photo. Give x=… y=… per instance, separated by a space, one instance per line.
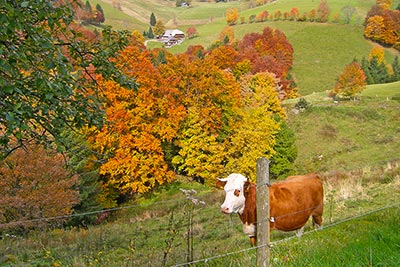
x=156 y=204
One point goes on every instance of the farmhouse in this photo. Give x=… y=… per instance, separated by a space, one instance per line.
x=172 y=37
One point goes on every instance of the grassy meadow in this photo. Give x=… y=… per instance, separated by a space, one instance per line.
x=355 y=145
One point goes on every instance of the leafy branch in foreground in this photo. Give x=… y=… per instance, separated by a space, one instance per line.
x=47 y=72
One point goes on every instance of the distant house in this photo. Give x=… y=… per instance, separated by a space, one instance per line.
x=172 y=37
x=177 y=34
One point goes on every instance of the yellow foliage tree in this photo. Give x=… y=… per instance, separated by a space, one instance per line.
x=378 y=53
x=256 y=128
x=227 y=35
x=232 y=15
x=201 y=154
x=375 y=28
x=210 y=95
x=385 y=4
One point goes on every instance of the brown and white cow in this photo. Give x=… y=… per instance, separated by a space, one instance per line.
x=292 y=202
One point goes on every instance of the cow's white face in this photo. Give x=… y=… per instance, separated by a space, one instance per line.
x=234 y=198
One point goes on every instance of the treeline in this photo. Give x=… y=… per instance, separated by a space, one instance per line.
x=320 y=14
x=103 y=118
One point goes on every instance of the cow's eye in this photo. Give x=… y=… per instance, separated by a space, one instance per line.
x=237 y=192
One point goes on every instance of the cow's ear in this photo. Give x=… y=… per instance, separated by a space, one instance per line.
x=220 y=183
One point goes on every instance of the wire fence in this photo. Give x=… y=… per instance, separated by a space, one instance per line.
x=190 y=231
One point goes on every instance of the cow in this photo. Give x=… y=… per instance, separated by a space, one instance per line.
x=292 y=202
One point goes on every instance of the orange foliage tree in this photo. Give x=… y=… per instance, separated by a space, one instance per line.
x=382 y=25
x=139 y=120
x=351 y=82
x=269 y=51
x=34 y=185
x=232 y=15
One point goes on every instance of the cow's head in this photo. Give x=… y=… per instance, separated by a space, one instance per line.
x=234 y=190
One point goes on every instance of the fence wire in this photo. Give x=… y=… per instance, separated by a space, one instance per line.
x=180 y=236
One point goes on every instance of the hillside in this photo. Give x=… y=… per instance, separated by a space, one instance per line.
x=354 y=145
x=316 y=62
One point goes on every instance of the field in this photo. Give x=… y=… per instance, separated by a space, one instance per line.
x=355 y=145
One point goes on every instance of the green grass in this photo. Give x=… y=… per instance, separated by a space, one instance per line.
x=384 y=91
x=348 y=135
x=368 y=241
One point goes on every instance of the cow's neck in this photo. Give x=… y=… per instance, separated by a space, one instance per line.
x=249 y=215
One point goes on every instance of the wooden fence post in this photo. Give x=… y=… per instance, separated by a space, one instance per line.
x=263 y=235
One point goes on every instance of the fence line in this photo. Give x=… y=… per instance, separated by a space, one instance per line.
x=205 y=260
x=229 y=253
x=143 y=205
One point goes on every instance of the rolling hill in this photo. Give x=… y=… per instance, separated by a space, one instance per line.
x=320 y=50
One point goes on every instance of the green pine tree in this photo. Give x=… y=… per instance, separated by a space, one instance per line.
x=286 y=153
x=150 y=33
x=153 y=19
x=101 y=16
x=81 y=162
x=396 y=69
x=365 y=66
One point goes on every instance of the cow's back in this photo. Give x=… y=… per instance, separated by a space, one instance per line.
x=294 y=200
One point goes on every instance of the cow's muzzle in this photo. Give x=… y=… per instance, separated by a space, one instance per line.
x=225 y=210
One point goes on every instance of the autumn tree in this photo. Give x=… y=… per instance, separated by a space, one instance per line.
x=211 y=98
x=200 y=153
x=139 y=122
x=350 y=82
x=385 y=4
x=378 y=53
x=294 y=13
x=277 y=15
x=254 y=133
x=269 y=51
x=159 y=28
x=312 y=15
x=232 y=15
x=375 y=68
x=323 y=11
x=227 y=35
x=261 y=17
x=375 y=28
x=34 y=185
x=382 y=25
x=191 y=32
x=47 y=71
